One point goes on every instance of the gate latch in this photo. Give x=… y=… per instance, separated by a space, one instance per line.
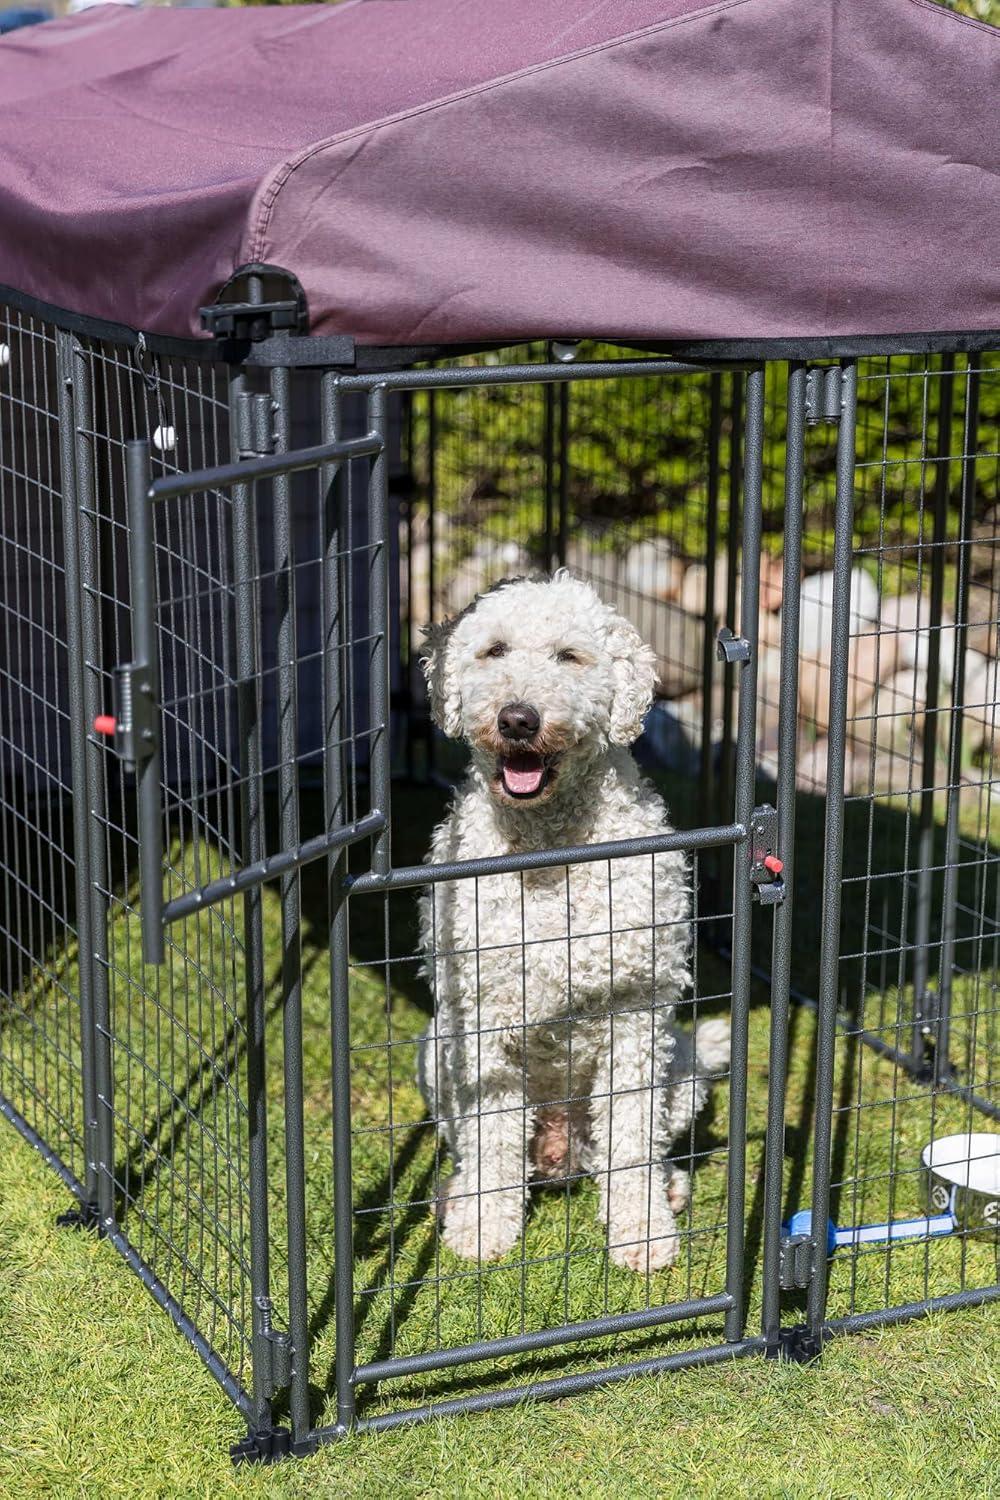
x=133 y=723
x=765 y=866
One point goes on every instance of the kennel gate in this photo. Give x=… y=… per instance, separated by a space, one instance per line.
x=139 y=1041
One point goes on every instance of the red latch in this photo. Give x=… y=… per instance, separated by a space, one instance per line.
x=773 y=864
x=105 y=724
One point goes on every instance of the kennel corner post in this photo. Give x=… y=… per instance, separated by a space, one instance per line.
x=705 y=777
x=833 y=843
x=745 y=779
x=336 y=636
x=925 y=1004
x=95 y=959
x=784 y=933
x=246 y=601
x=291 y=914
x=78 y=735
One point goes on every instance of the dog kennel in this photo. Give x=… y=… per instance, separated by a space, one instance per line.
x=314 y=323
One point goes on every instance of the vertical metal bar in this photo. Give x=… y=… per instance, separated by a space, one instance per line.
x=378 y=626
x=781 y=966
x=924 y=1003
x=549 y=470
x=431 y=544
x=942 y=1065
x=708 y=633
x=732 y=576
x=833 y=851
x=247 y=622
x=336 y=637
x=95 y=791
x=562 y=516
x=742 y=890
x=149 y=770
x=291 y=914
x=78 y=732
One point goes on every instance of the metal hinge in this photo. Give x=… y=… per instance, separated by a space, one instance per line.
x=730 y=647
x=824 y=393
x=765 y=866
x=273 y=1351
x=797 y=1262
x=254 y=425
x=133 y=725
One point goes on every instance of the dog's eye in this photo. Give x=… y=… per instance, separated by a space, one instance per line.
x=499 y=648
x=568 y=656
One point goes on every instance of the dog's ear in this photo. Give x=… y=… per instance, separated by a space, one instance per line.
x=442 y=677
x=633 y=666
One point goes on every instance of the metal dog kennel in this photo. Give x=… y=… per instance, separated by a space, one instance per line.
x=758 y=410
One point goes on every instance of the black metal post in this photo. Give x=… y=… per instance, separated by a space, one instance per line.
x=378 y=625
x=291 y=915
x=79 y=729
x=833 y=847
x=705 y=798
x=336 y=639
x=246 y=587
x=732 y=580
x=94 y=687
x=781 y=966
x=742 y=890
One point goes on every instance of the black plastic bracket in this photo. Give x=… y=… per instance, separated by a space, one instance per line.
x=797 y=1345
x=730 y=647
x=269 y=1445
x=276 y=304
x=83 y=1216
x=824 y=394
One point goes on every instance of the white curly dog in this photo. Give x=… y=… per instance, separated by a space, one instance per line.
x=552 y=1048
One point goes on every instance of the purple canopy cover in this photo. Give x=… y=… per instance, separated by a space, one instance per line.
x=445 y=171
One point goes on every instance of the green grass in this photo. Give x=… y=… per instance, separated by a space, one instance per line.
x=98 y=1395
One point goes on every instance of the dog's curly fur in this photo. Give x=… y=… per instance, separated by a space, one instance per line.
x=553 y=1048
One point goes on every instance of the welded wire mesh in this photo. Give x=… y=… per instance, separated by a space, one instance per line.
x=40 y=1060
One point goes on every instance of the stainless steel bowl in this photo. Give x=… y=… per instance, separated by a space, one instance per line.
x=963 y=1178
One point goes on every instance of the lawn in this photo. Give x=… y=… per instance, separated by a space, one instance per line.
x=99 y=1397
x=98 y=1392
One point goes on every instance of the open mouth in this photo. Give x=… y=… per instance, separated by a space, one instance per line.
x=525 y=774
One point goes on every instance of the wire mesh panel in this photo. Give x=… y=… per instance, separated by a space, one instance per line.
x=41 y=1077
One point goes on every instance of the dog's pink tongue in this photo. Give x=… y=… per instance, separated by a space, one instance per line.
x=523 y=773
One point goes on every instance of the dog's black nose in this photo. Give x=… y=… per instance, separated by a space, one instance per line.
x=518 y=721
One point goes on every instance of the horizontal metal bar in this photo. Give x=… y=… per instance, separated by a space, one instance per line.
x=182 y=1323
x=551 y=1390
x=546 y=1338
x=9 y=1112
x=684 y=841
x=269 y=466
x=457 y=377
x=887 y=1316
x=271 y=867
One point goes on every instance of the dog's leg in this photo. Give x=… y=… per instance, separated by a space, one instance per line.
x=486 y=1198
x=697 y=1061
x=629 y=1142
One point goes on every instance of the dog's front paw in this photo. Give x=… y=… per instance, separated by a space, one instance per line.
x=637 y=1249
x=481 y=1226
